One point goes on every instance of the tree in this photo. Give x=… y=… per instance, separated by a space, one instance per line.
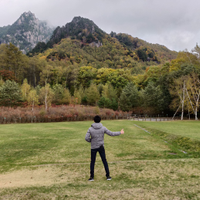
x=1 y=82
x=153 y=73
x=154 y=98
x=92 y=94
x=2 y=56
x=66 y=97
x=8 y=75
x=81 y=92
x=86 y=75
x=142 y=54
x=15 y=61
x=33 y=98
x=10 y=93
x=178 y=89
x=185 y=59
x=193 y=92
x=196 y=51
x=46 y=96
x=70 y=74
x=101 y=102
x=109 y=97
x=32 y=73
x=58 y=93
x=77 y=97
x=129 y=97
x=25 y=88
x=109 y=91
x=46 y=74
x=108 y=103
x=103 y=75
x=120 y=78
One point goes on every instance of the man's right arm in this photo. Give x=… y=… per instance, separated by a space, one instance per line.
x=87 y=137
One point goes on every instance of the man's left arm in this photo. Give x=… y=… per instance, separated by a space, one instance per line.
x=110 y=133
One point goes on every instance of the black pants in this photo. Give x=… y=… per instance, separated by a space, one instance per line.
x=101 y=151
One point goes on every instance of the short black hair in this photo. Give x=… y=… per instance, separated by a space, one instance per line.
x=97 y=119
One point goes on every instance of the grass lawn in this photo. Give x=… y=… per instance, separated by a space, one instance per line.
x=188 y=128
x=51 y=161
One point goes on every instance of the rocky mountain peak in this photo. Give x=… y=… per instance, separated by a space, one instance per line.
x=28 y=14
x=26 y=17
x=76 y=19
x=81 y=29
x=26 y=32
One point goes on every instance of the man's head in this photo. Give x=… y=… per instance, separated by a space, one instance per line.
x=97 y=119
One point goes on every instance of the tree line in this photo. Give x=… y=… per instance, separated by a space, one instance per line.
x=168 y=89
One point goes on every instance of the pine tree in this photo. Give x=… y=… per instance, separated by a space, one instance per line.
x=92 y=94
x=129 y=97
x=10 y=93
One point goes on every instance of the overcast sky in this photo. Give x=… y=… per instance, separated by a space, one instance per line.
x=173 y=23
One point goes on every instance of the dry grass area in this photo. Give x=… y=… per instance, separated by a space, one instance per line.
x=139 y=179
x=51 y=162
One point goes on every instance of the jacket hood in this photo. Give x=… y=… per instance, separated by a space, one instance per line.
x=97 y=125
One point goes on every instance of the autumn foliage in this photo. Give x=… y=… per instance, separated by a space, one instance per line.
x=7 y=75
x=57 y=114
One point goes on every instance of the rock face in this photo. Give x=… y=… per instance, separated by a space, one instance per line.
x=26 y=32
x=79 y=28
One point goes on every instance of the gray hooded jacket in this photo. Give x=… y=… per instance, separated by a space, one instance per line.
x=95 y=135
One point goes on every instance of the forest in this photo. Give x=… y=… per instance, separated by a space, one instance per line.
x=109 y=76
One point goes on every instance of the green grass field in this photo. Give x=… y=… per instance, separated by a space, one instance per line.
x=189 y=129
x=51 y=161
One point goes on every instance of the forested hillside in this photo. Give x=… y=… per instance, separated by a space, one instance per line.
x=89 y=34
x=81 y=64
x=144 y=50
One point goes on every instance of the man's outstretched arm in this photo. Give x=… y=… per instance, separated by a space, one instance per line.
x=108 y=132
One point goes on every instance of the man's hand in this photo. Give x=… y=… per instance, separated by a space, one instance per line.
x=122 y=131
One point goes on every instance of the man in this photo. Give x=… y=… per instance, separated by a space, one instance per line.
x=95 y=135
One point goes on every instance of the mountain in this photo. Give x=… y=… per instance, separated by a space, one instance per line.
x=145 y=50
x=26 y=32
x=88 y=35
x=79 y=28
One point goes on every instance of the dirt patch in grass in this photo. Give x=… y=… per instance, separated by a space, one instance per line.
x=40 y=176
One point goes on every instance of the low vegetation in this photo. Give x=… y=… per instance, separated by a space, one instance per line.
x=57 y=114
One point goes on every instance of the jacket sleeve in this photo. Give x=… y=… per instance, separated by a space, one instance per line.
x=87 y=136
x=108 y=132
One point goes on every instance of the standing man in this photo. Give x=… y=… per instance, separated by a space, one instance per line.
x=95 y=135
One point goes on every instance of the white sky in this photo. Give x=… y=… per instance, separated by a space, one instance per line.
x=173 y=23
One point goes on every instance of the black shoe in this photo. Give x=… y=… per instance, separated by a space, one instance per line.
x=108 y=178
x=91 y=179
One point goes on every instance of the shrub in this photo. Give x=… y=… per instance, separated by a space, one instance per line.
x=56 y=113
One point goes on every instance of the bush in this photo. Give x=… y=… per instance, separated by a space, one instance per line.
x=57 y=113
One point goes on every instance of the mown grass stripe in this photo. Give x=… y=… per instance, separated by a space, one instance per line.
x=191 y=146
